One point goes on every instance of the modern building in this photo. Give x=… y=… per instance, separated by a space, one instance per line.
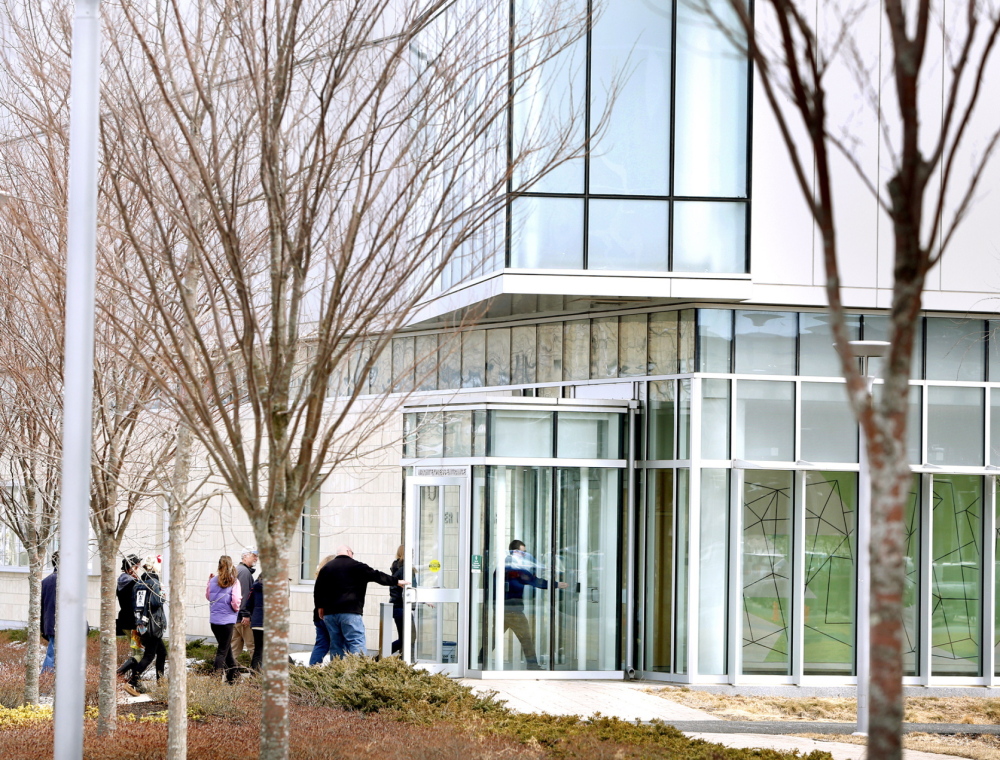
x=640 y=455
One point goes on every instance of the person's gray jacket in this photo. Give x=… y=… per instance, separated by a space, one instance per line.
x=245 y=576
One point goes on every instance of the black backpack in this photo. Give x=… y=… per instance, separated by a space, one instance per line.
x=148 y=607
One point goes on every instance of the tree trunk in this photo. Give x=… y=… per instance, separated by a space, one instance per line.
x=177 y=722
x=107 y=697
x=32 y=662
x=890 y=491
x=274 y=725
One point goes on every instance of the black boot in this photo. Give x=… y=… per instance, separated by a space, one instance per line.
x=126 y=666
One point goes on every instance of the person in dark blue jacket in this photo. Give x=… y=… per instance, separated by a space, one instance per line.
x=519 y=573
x=255 y=608
x=49 y=586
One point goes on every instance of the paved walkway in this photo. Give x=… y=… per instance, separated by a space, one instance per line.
x=628 y=701
x=618 y=699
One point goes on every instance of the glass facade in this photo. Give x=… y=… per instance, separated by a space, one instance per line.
x=747 y=490
x=665 y=186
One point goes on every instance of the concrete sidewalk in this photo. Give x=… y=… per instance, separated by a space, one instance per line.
x=628 y=700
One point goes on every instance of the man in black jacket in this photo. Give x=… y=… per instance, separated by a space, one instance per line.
x=242 y=634
x=339 y=596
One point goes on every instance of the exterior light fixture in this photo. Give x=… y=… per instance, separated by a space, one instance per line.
x=866 y=350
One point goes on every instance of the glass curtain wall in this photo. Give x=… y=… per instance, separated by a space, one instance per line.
x=624 y=206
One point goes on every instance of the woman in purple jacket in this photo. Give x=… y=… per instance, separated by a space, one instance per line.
x=224 y=596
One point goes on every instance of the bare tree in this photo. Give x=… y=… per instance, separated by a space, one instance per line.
x=801 y=54
x=30 y=415
x=131 y=452
x=349 y=151
x=131 y=444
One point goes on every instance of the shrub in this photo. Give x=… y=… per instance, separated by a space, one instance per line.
x=411 y=695
x=201 y=650
x=571 y=736
x=14 y=634
x=20 y=716
x=359 y=683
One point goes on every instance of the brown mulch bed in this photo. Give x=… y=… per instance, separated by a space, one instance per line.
x=316 y=733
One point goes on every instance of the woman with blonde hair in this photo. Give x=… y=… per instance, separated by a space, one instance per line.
x=322 y=646
x=224 y=595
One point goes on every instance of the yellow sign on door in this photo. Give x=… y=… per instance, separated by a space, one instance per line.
x=435 y=566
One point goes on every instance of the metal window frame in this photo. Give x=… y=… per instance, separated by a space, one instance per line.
x=586 y=196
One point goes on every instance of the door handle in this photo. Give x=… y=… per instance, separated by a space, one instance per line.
x=409 y=595
x=593 y=594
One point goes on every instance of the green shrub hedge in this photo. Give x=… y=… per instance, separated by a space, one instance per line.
x=415 y=696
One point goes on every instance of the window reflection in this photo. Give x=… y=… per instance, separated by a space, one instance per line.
x=765 y=342
x=633 y=155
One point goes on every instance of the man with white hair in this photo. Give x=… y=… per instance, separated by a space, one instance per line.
x=339 y=596
x=242 y=633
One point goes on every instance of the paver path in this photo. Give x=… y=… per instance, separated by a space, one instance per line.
x=628 y=701
x=618 y=699
x=840 y=751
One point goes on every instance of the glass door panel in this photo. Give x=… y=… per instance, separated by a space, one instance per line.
x=548 y=596
x=434 y=558
x=512 y=526
x=585 y=584
x=767 y=571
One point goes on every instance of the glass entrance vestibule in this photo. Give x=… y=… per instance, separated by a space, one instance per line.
x=539 y=545
x=536 y=545
x=705 y=530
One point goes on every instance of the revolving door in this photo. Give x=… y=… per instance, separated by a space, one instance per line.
x=543 y=571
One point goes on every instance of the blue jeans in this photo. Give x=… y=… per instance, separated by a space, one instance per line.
x=347 y=634
x=49 y=663
x=322 y=646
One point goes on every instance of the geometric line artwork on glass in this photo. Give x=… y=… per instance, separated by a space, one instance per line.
x=828 y=615
x=911 y=579
x=767 y=505
x=996 y=607
x=955 y=575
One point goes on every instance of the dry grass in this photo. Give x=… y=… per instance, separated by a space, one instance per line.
x=974 y=746
x=967 y=710
x=12 y=655
x=212 y=696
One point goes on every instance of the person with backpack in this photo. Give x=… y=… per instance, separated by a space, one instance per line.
x=224 y=597
x=150 y=623
x=125 y=624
